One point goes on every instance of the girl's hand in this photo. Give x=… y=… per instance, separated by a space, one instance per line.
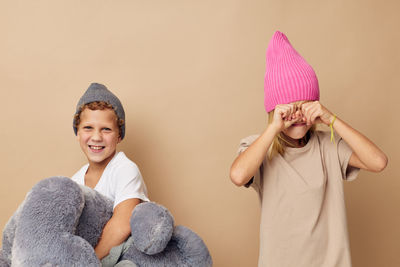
x=315 y=112
x=285 y=115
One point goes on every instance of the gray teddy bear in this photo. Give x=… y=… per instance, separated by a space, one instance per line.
x=60 y=222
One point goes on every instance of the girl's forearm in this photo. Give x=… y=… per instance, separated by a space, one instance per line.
x=367 y=152
x=247 y=163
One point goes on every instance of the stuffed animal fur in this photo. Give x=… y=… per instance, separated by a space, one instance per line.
x=60 y=222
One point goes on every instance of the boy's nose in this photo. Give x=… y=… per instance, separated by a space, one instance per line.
x=96 y=136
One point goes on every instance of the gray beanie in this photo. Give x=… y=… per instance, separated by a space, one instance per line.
x=98 y=92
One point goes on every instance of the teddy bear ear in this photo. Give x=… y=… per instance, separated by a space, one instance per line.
x=152 y=227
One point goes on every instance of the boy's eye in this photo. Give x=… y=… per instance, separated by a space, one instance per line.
x=106 y=129
x=87 y=127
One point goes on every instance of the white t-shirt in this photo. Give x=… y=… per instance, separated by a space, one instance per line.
x=121 y=180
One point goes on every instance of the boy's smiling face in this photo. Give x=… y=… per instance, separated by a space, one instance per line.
x=98 y=135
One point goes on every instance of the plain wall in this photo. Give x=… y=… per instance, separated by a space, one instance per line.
x=190 y=76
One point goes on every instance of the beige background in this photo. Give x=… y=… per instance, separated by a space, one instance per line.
x=190 y=75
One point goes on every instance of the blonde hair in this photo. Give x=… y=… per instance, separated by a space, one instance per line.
x=279 y=143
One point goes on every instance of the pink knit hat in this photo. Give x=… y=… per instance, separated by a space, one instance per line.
x=288 y=77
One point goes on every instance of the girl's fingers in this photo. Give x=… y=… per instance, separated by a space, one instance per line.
x=281 y=112
x=314 y=113
x=288 y=112
x=305 y=107
x=309 y=112
x=305 y=110
x=308 y=116
x=296 y=115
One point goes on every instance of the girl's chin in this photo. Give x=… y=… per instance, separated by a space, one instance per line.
x=295 y=134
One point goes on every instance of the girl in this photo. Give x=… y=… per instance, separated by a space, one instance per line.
x=297 y=171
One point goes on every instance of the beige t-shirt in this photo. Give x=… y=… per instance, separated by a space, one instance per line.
x=303 y=216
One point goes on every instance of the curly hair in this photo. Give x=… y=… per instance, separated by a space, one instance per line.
x=97 y=105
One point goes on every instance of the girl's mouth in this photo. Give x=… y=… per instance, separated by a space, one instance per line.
x=298 y=124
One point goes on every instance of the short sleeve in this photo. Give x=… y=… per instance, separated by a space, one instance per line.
x=349 y=173
x=255 y=181
x=129 y=184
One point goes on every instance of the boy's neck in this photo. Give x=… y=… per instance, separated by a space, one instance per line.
x=100 y=166
x=93 y=175
x=95 y=171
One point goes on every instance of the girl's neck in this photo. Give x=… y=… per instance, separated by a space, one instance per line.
x=296 y=143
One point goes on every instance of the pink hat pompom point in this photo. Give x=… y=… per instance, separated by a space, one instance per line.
x=288 y=77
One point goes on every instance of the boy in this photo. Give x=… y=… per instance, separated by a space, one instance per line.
x=99 y=124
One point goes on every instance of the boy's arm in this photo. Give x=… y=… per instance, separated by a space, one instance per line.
x=117 y=229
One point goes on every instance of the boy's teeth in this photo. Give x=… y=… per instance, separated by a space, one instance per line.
x=96 y=147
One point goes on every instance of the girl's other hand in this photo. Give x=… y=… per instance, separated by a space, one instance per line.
x=285 y=115
x=315 y=112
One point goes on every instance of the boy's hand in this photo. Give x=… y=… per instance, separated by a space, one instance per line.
x=285 y=115
x=315 y=112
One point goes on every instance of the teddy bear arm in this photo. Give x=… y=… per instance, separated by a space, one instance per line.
x=190 y=247
x=157 y=243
